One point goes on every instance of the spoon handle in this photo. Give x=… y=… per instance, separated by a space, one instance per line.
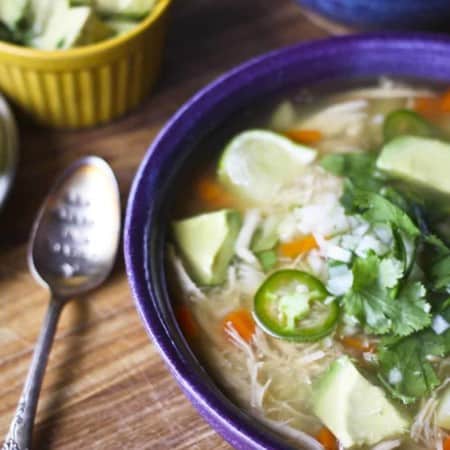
x=20 y=431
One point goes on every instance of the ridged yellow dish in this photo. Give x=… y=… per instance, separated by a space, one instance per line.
x=89 y=85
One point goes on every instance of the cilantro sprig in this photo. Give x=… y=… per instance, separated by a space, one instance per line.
x=410 y=356
x=377 y=302
x=387 y=296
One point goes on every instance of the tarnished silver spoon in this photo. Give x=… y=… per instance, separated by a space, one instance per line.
x=72 y=250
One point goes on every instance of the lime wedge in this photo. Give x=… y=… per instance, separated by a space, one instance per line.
x=257 y=164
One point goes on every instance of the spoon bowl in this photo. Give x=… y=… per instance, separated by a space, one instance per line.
x=75 y=238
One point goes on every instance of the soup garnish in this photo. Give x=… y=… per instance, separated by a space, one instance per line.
x=316 y=267
x=64 y=24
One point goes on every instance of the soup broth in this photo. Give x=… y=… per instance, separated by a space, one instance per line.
x=323 y=265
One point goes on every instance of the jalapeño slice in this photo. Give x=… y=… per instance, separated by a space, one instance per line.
x=406 y=122
x=292 y=305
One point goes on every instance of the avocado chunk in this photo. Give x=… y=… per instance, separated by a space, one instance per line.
x=422 y=163
x=69 y=27
x=356 y=411
x=206 y=243
x=131 y=9
x=121 y=26
x=443 y=410
x=12 y=12
x=39 y=12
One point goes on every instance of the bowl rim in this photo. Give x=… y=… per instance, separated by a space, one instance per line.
x=91 y=49
x=240 y=435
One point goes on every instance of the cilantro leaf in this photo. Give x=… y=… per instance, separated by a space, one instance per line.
x=360 y=168
x=439 y=264
x=411 y=311
x=368 y=300
x=377 y=209
x=437 y=243
x=372 y=301
x=417 y=374
x=440 y=274
x=391 y=271
x=409 y=356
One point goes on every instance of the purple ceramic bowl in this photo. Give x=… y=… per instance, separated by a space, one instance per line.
x=410 y=55
x=384 y=14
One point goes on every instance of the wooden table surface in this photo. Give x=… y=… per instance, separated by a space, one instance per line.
x=106 y=386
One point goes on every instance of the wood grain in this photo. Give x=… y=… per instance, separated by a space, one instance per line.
x=106 y=387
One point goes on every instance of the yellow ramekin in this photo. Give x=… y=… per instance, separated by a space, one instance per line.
x=90 y=85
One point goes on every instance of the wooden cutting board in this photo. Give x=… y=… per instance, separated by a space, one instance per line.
x=106 y=387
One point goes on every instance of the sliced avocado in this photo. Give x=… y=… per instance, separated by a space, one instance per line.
x=121 y=26
x=132 y=9
x=69 y=27
x=356 y=411
x=96 y=30
x=12 y=12
x=443 y=410
x=207 y=243
x=422 y=163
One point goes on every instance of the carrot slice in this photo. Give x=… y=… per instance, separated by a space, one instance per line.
x=242 y=321
x=298 y=246
x=357 y=344
x=429 y=107
x=187 y=322
x=212 y=193
x=327 y=439
x=304 y=136
x=433 y=107
x=445 y=102
x=446 y=443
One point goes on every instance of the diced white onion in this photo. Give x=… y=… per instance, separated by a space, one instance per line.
x=395 y=376
x=287 y=228
x=384 y=233
x=369 y=242
x=340 y=280
x=324 y=216
x=338 y=253
x=349 y=242
x=316 y=263
x=361 y=229
x=440 y=325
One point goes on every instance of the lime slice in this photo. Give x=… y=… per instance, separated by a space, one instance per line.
x=257 y=164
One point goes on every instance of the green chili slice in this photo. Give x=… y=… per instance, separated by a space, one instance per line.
x=406 y=122
x=291 y=305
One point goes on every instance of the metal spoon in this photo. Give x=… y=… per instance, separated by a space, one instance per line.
x=73 y=247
